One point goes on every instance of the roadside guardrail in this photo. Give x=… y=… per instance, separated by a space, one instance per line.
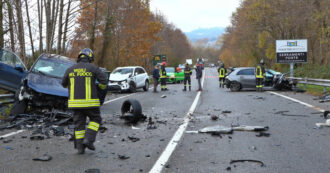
x=310 y=81
x=6 y=98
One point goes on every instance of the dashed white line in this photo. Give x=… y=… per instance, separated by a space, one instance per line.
x=164 y=157
x=298 y=101
x=12 y=133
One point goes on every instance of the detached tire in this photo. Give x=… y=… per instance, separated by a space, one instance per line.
x=132 y=108
x=235 y=86
x=146 y=86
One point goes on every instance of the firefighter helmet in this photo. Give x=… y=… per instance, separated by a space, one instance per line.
x=164 y=63
x=86 y=53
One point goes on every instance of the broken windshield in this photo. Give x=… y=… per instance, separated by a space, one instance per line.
x=123 y=71
x=51 y=67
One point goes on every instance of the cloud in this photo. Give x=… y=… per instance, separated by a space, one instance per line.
x=192 y=14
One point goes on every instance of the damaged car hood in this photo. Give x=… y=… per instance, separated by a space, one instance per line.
x=119 y=77
x=47 y=85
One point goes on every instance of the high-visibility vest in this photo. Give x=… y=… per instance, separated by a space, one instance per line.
x=222 y=73
x=162 y=73
x=258 y=72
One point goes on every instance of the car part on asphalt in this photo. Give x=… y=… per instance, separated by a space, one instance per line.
x=151 y=124
x=250 y=128
x=326 y=124
x=325 y=98
x=92 y=171
x=218 y=129
x=325 y=114
x=263 y=134
x=163 y=96
x=214 y=117
x=133 y=139
x=44 y=157
x=248 y=160
x=123 y=157
x=131 y=111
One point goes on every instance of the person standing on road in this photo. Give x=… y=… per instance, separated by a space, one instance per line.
x=222 y=74
x=260 y=74
x=187 y=74
x=163 y=77
x=155 y=76
x=83 y=98
x=199 y=76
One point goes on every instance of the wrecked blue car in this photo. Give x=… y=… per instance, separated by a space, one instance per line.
x=41 y=89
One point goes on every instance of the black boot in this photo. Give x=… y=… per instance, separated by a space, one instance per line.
x=89 y=144
x=184 y=89
x=80 y=146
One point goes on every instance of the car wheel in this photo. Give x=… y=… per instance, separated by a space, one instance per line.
x=131 y=110
x=235 y=86
x=146 y=86
x=132 y=87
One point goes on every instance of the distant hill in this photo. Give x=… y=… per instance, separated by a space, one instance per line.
x=211 y=34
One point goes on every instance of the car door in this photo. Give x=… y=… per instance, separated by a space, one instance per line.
x=139 y=77
x=247 y=78
x=12 y=70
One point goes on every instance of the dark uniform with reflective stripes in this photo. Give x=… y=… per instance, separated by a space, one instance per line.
x=163 y=78
x=187 y=74
x=222 y=74
x=83 y=99
x=260 y=74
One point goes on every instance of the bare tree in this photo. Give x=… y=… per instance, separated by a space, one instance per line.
x=60 y=26
x=65 y=31
x=40 y=15
x=54 y=20
x=106 y=35
x=48 y=24
x=1 y=26
x=29 y=25
x=11 y=25
x=21 y=39
x=92 y=39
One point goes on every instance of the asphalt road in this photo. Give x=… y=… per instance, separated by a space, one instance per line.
x=294 y=144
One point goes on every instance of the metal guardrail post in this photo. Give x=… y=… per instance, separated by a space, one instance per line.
x=325 y=89
x=305 y=83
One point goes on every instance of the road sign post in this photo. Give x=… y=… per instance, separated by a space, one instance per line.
x=291 y=52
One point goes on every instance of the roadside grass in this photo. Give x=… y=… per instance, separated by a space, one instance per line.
x=313 y=89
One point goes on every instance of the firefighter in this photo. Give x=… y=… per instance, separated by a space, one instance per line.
x=222 y=74
x=163 y=77
x=260 y=74
x=83 y=98
x=187 y=74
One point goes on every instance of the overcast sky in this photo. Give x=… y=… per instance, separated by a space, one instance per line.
x=193 y=14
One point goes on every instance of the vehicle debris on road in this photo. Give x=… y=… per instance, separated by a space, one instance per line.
x=123 y=157
x=44 y=157
x=247 y=160
x=92 y=171
x=250 y=128
x=218 y=129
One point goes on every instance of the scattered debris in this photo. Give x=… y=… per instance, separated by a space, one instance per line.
x=259 y=98
x=37 y=137
x=228 y=168
x=5 y=141
x=151 y=124
x=45 y=157
x=226 y=112
x=161 y=122
x=281 y=112
x=217 y=130
x=325 y=114
x=148 y=155
x=102 y=129
x=163 y=96
x=133 y=139
x=167 y=166
x=250 y=128
x=326 y=124
x=214 y=117
x=92 y=171
x=135 y=128
x=247 y=160
x=9 y=148
x=123 y=157
x=263 y=134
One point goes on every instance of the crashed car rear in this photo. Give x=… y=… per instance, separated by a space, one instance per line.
x=41 y=89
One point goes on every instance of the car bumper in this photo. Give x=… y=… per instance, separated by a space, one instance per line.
x=118 y=86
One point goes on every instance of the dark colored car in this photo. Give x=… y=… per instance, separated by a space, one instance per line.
x=12 y=70
x=41 y=89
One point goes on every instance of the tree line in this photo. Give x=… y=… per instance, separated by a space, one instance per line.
x=120 y=32
x=257 y=24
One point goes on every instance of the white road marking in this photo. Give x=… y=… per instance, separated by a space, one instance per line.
x=163 y=158
x=298 y=101
x=12 y=133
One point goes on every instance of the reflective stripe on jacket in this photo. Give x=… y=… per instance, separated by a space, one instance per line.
x=80 y=80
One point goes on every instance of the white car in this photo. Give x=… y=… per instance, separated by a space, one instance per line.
x=129 y=79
